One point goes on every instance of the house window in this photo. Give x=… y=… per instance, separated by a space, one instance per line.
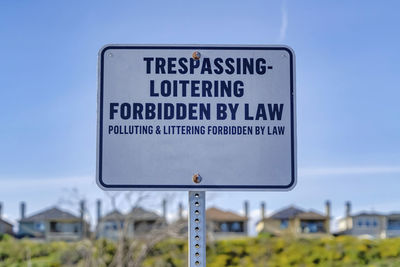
x=224 y=227
x=367 y=223
x=237 y=227
x=111 y=226
x=284 y=224
x=55 y=227
x=312 y=226
x=393 y=224
x=359 y=223
x=375 y=223
x=39 y=226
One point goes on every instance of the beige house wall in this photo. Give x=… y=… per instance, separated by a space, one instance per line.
x=273 y=226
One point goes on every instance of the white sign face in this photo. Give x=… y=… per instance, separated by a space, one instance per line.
x=168 y=112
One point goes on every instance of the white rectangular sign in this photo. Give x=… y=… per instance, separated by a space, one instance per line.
x=167 y=112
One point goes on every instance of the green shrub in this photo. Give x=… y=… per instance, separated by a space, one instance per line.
x=262 y=251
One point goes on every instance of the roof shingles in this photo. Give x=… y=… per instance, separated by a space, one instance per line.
x=50 y=214
x=293 y=212
x=214 y=214
x=5 y=222
x=137 y=213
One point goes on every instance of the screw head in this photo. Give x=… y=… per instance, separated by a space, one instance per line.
x=197 y=178
x=196 y=55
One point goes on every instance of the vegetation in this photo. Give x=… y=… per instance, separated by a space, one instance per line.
x=247 y=252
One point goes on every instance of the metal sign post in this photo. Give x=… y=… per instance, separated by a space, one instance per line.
x=197 y=229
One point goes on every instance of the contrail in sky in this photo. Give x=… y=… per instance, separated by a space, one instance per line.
x=284 y=23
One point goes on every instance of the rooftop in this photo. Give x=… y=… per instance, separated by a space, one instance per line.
x=113 y=215
x=142 y=214
x=365 y=213
x=53 y=213
x=5 y=222
x=294 y=212
x=287 y=213
x=215 y=214
x=137 y=213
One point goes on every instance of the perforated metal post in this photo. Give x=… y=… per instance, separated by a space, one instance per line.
x=197 y=229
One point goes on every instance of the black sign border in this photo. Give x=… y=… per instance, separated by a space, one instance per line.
x=193 y=187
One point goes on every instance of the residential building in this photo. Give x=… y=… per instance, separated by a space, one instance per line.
x=111 y=226
x=135 y=224
x=226 y=224
x=52 y=224
x=363 y=224
x=143 y=221
x=369 y=224
x=220 y=224
x=5 y=226
x=296 y=222
x=393 y=225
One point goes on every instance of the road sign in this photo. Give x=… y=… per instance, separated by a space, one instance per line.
x=196 y=117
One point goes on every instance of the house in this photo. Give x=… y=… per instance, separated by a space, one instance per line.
x=296 y=222
x=369 y=224
x=52 y=224
x=5 y=227
x=226 y=224
x=363 y=224
x=135 y=224
x=143 y=221
x=220 y=224
x=393 y=225
x=111 y=225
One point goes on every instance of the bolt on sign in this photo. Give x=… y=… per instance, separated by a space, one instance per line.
x=196 y=117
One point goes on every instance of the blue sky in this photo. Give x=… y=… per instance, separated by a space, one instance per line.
x=347 y=93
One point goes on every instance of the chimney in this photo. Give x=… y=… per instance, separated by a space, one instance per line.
x=348 y=209
x=262 y=210
x=246 y=208
x=82 y=208
x=98 y=205
x=348 y=214
x=246 y=213
x=82 y=217
x=328 y=216
x=22 y=209
x=328 y=209
x=164 y=209
x=180 y=211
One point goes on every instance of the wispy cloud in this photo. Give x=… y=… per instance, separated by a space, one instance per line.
x=349 y=170
x=284 y=23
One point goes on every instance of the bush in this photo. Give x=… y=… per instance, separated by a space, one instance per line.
x=245 y=252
